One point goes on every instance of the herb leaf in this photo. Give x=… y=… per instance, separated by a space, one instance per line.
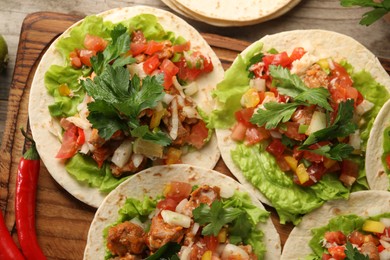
x=273 y=114
x=253 y=60
x=341 y=127
x=337 y=152
x=215 y=217
x=168 y=251
x=315 y=96
x=379 y=9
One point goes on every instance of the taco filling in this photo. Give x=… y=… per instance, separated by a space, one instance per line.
x=191 y=222
x=386 y=151
x=297 y=126
x=124 y=98
x=351 y=237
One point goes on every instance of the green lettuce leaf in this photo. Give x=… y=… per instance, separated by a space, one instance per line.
x=85 y=169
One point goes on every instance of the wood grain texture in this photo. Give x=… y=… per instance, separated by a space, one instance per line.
x=63 y=221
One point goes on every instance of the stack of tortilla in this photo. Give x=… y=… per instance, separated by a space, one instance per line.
x=226 y=13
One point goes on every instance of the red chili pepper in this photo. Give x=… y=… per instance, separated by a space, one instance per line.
x=26 y=185
x=8 y=248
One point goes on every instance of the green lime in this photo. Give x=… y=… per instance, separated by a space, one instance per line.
x=3 y=53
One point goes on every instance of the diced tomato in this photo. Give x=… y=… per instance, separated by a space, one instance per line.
x=303 y=114
x=386 y=233
x=75 y=60
x=169 y=69
x=137 y=48
x=244 y=115
x=313 y=157
x=283 y=165
x=168 y=204
x=281 y=59
x=177 y=190
x=341 y=87
x=238 y=132
x=254 y=135
x=297 y=53
x=181 y=47
x=388 y=161
x=198 y=135
x=101 y=154
x=326 y=256
x=315 y=171
x=85 y=57
x=94 y=43
x=291 y=131
x=151 y=64
x=191 y=73
x=173 y=156
x=349 y=172
x=297 y=154
x=337 y=252
x=71 y=142
x=197 y=250
x=211 y=242
x=380 y=248
x=356 y=238
x=153 y=47
x=276 y=148
x=335 y=237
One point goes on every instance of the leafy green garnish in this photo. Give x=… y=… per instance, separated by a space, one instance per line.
x=337 y=152
x=168 y=251
x=118 y=102
x=379 y=9
x=352 y=253
x=253 y=60
x=341 y=127
x=215 y=216
x=114 y=52
x=273 y=114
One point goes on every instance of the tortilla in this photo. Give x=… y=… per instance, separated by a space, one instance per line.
x=231 y=13
x=151 y=182
x=362 y=203
x=321 y=44
x=42 y=123
x=377 y=177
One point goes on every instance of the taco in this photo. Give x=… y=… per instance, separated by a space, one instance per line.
x=203 y=211
x=231 y=13
x=295 y=112
x=121 y=91
x=339 y=229
x=378 y=151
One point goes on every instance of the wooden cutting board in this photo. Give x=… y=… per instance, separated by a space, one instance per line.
x=62 y=221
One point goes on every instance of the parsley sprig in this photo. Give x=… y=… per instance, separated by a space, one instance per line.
x=352 y=253
x=119 y=101
x=378 y=11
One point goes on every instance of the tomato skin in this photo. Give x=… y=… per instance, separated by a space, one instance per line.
x=276 y=148
x=137 y=48
x=335 y=237
x=337 y=252
x=281 y=59
x=211 y=242
x=151 y=64
x=244 y=115
x=72 y=139
x=169 y=69
x=254 y=135
x=167 y=204
x=153 y=47
x=85 y=57
x=297 y=54
x=198 y=135
x=94 y=43
x=177 y=190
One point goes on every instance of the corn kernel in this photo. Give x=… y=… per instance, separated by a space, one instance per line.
x=250 y=98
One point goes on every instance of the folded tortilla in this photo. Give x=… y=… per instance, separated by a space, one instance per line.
x=42 y=124
x=151 y=182
x=377 y=177
x=361 y=203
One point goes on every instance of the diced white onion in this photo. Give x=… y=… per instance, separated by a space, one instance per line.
x=138 y=69
x=385 y=254
x=167 y=98
x=191 y=89
x=185 y=252
x=318 y=122
x=122 y=154
x=138 y=222
x=355 y=140
x=385 y=221
x=331 y=64
x=231 y=250
x=180 y=101
x=181 y=205
x=177 y=85
x=195 y=228
x=177 y=219
x=258 y=84
x=174 y=120
x=88 y=135
x=384 y=243
x=79 y=122
x=190 y=112
x=137 y=159
x=364 y=107
x=55 y=129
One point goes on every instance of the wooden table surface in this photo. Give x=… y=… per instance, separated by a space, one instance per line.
x=308 y=14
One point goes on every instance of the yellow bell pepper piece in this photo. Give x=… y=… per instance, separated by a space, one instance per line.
x=222 y=235
x=64 y=90
x=373 y=226
x=302 y=174
x=250 y=98
x=156 y=118
x=207 y=255
x=292 y=162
